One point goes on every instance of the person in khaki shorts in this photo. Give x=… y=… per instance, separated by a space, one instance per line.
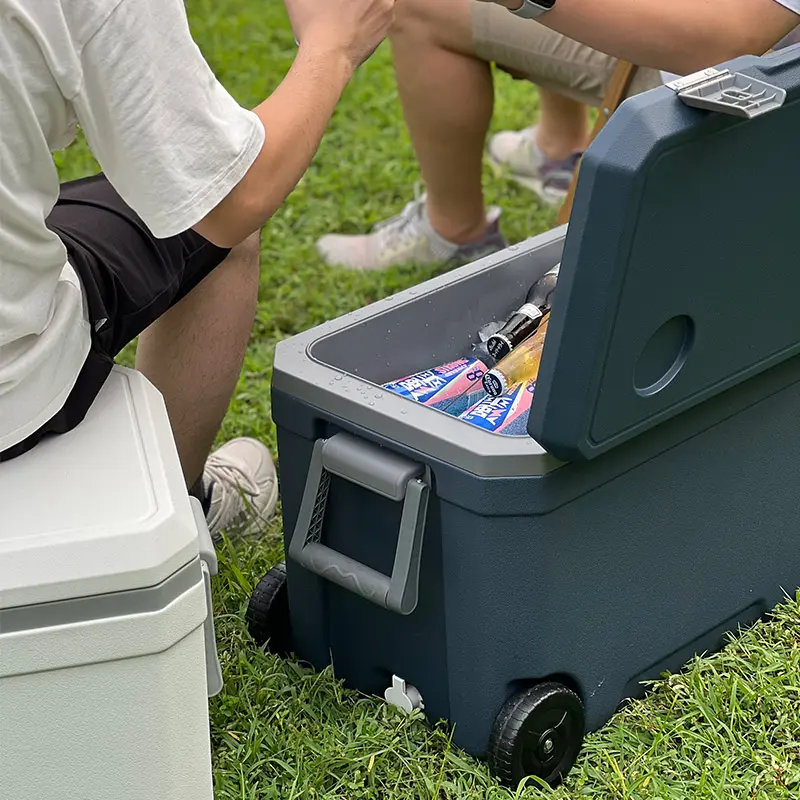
x=443 y=53
x=570 y=77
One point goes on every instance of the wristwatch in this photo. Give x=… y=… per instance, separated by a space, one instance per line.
x=530 y=9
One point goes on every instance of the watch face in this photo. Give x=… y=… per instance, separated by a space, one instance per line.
x=548 y=4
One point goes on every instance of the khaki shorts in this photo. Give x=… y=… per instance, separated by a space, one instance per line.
x=529 y=50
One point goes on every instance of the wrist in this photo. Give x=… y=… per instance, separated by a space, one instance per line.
x=332 y=61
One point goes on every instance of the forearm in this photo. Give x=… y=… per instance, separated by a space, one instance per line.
x=679 y=36
x=294 y=117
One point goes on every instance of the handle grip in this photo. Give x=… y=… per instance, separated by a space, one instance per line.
x=387 y=474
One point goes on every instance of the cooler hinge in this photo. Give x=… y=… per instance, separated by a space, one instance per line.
x=728 y=93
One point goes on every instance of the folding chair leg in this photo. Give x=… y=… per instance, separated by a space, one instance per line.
x=617 y=91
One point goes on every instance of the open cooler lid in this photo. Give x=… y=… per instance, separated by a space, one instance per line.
x=681 y=270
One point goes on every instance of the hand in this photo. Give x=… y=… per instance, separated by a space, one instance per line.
x=354 y=28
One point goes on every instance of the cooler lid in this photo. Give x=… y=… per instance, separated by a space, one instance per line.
x=681 y=270
x=100 y=510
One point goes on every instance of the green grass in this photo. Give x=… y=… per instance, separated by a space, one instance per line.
x=727 y=728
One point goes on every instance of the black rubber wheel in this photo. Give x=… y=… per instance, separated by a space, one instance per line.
x=538 y=732
x=268 y=612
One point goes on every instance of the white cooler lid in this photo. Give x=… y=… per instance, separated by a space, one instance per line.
x=99 y=510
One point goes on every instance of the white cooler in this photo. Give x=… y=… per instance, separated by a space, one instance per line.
x=107 y=653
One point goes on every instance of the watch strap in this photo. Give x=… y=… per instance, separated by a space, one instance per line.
x=529 y=10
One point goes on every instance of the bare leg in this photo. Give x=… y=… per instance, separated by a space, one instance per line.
x=448 y=98
x=563 y=127
x=194 y=353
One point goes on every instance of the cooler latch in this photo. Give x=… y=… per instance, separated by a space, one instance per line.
x=728 y=93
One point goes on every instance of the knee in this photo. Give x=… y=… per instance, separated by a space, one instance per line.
x=442 y=24
x=412 y=20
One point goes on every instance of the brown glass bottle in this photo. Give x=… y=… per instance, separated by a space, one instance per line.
x=519 y=366
x=525 y=321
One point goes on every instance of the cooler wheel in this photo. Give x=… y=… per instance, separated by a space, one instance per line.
x=539 y=732
x=268 y=612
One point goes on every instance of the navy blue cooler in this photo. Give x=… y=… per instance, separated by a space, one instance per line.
x=521 y=587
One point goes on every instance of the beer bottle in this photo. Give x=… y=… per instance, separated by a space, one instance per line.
x=519 y=366
x=524 y=322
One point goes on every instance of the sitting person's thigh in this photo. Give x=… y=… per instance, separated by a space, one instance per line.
x=528 y=50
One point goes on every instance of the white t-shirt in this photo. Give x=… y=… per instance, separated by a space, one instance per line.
x=168 y=136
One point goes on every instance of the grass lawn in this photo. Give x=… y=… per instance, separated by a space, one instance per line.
x=728 y=728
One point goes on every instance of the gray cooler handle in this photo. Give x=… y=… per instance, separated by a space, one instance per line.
x=387 y=474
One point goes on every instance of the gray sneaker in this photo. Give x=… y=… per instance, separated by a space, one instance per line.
x=242 y=487
x=518 y=152
x=408 y=238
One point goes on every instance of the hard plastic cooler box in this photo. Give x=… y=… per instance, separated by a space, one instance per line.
x=107 y=654
x=521 y=587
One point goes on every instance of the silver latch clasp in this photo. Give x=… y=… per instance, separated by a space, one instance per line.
x=728 y=93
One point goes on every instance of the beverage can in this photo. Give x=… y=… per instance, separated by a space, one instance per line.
x=507 y=414
x=447 y=387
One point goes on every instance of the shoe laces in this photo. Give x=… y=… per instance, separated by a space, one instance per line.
x=403 y=228
x=233 y=483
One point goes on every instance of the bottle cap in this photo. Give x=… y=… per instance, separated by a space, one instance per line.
x=499 y=346
x=495 y=383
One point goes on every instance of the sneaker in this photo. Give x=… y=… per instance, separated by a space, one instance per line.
x=530 y=167
x=241 y=487
x=409 y=238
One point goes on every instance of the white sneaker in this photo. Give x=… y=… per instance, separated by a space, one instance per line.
x=518 y=152
x=408 y=238
x=242 y=487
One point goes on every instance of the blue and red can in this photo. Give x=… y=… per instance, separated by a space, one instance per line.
x=451 y=387
x=507 y=414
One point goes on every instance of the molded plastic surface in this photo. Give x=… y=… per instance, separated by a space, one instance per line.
x=341 y=365
x=100 y=510
x=678 y=281
x=679 y=277
x=605 y=572
x=127 y=720
x=107 y=655
x=392 y=477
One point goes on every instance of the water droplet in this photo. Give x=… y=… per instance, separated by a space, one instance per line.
x=378 y=396
x=513 y=247
x=338 y=377
x=372 y=402
x=403 y=411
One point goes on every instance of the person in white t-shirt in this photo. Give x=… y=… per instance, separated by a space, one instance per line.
x=164 y=242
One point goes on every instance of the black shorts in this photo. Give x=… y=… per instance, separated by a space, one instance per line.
x=129 y=278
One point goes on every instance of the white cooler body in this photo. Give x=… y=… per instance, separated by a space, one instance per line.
x=107 y=654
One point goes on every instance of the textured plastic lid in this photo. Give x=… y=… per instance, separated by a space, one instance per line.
x=681 y=270
x=99 y=510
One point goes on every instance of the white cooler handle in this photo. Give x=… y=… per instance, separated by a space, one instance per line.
x=210 y=567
